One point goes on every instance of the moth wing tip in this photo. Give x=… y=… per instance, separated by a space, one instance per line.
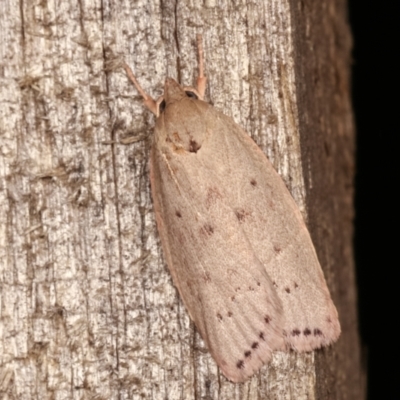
x=312 y=339
x=239 y=376
x=242 y=370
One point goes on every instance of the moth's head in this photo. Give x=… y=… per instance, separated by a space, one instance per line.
x=173 y=93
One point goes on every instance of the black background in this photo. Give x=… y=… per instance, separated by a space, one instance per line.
x=375 y=28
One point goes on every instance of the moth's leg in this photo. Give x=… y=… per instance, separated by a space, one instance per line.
x=148 y=101
x=201 y=80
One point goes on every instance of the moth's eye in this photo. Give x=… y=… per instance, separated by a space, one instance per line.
x=161 y=106
x=192 y=95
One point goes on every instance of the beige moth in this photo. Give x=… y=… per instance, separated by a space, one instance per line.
x=233 y=237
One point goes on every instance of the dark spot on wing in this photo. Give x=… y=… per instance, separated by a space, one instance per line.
x=251 y=289
x=296 y=285
x=240 y=364
x=277 y=249
x=194 y=147
x=241 y=214
x=296 y=332
x=317 y=332
x=253 y=182
x=207 y=229
x=247 y=353
x=287 y=290
x=219 y=316
x=267 y=319
x=258 y=283
x=237 y=289
x=255 y=345
x=178 y=214
x=233 y=298
x=307 y=332
x=213 y=195
x=230 y=314
x=261 y=336
x=274 y=283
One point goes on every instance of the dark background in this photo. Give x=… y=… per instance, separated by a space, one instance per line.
x=375 y=28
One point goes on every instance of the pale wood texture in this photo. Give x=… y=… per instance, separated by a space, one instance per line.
x=87 y=306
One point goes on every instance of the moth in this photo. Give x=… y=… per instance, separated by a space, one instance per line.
x=233 y=237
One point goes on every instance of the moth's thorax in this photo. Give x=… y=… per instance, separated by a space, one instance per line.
x=181 y=127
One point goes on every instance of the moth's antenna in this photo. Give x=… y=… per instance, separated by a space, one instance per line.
x=148 y=101
x=201 y=80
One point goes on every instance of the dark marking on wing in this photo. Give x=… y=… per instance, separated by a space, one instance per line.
x=207 y=229
x=307 y=332
x=261 y=336
x=240 y=364
x=296 y=332
x=317 y=332
x=255 y=345
x=213 y=195
x=241 y=214
x=253 y=182
x=194 y=147
x=178 y=214
x=267 y=319
x=247 y=353
x=287 y=290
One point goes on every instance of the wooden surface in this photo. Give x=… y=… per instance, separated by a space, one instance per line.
x=87 y=305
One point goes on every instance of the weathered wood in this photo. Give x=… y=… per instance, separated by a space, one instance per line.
x=88 y=309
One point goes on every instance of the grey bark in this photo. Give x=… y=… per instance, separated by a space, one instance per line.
x=87 y=306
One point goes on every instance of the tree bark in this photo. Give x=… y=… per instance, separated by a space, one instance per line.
x=88 y=308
